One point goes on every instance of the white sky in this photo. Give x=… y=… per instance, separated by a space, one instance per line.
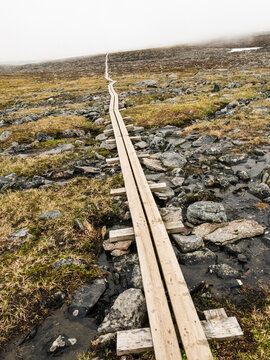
x=50 y=29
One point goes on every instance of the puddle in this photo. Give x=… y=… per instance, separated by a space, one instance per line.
x=254 y=166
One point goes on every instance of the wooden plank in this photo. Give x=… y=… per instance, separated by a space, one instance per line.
x=140 y=340
x=116 y=159
x=154 y=187
x=163 y=332
x=129 y=234
x=215 y=314
x=188 y=323
x=111 y=132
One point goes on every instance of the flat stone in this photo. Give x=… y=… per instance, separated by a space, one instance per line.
x=202 y=256
x=86 y=170
x=58 y=150
x=85 y=297
x=118 y=252
x=177 y=181
x=171 y=214
x=153 y=164
x=120 y=245
x=141 y=145
x=261 y=190
x=54 y=214
x=127 y=312
x=205 y=140
x=188 y=243
x=206 y=211
x=231 y=232
x=19 y=234
x=224 y=271
x=173 y=160
x=165 y=195
x=233 y=159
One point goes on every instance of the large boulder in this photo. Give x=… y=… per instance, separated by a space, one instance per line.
x=261 y=190
x=127 y=312
x=206 y=211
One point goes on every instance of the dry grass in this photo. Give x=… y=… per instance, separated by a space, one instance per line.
x=27 y=278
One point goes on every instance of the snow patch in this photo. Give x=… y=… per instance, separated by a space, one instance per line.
x=244 y=49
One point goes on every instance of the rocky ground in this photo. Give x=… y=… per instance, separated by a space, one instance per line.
x=203 y=116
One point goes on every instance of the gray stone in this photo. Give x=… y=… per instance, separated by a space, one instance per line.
x=206 y=211
x=188 y=243
x=58 y=150
x=54 y=214
x=205 y=140
x=171 y=214
x=101 y=137
x=5 y=134
x=261 y=190
x=136 y=277
x=99 y=121
x=202 y=256
x=223 y=234
x=173 y=160
x=153 y=164
x=233 y=159
x=141 y=145
x=61 y=342
x=70 y=133
x=242 y=175
x=165 y=195
x=19 y=234
x=148 y=83
x=127 y=312
x=224 y=271
x=85 y=297
x=42 y=136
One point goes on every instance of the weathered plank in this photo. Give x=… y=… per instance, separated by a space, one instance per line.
x=154 y=187
x=116 y=159
x=132 y=138
x=140 y=340
x=129 y=234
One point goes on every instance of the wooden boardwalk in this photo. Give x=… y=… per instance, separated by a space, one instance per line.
x=159 y=266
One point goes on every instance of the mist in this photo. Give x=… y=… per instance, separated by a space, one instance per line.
x=34 y=30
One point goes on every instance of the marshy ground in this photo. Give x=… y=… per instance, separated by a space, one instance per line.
x=53 y=177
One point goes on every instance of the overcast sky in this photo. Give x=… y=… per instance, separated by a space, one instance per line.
x=50 y=29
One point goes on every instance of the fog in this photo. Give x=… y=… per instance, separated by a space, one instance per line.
x=35 y=30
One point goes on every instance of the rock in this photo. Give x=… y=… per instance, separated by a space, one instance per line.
x=261 y=190
x=165 y=195
x=177 y=181
x=136 y=277
x=205 y=140
x=231 y=232
x=148 y=83
x=242 y=175
x=206 y=211
x=101 y=137
x=58 y=150
x=216 y=88
x=233 y=249
x=172 y=77
x=85 y=297
x=233 y=159
x=171 y=214
x=156 y=143
x=141 y=145
x=223 y=271
x=86 y=170
x=188 y=243
x=61 y=342
x=20 y=234
x=209 y=180
x=99 y=121
x=42 y=136
x=104 y=341
x=120 y=245
x=202 y=256
x=65 y=262
x=153 y=164
x=127 y=312
x=54 y=214
x=71 y=133
x=5 y=134
x=118 y=252
x=173 y=160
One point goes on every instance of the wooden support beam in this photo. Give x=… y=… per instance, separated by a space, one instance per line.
x=117 y=161
x=128 y=233
x=219 y=327
x=132 y=138
x=154 y=187
x=111 y=132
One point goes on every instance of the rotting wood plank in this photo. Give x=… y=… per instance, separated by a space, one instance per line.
x=154 y=187
x=129 y=233
x=163 y=332
x=188 y=323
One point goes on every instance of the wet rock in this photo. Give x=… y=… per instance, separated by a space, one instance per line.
x=233 y=159
x=71 y=133
x=65 y=262
x=147 y=83
x=242 y=258
x=85 y=297
x=261 y=190
x=202 y=256
x=203 y=211
x=188 y=243
x=205 y=140
x=61 y=342
x=173 y=160
x=127 y=312
x=233 y=249
x=5 y=135
x=123 y=266
x=153 y=164
x=222 y=234
x=224 y=271
x=54 y=214
x=42 y=136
